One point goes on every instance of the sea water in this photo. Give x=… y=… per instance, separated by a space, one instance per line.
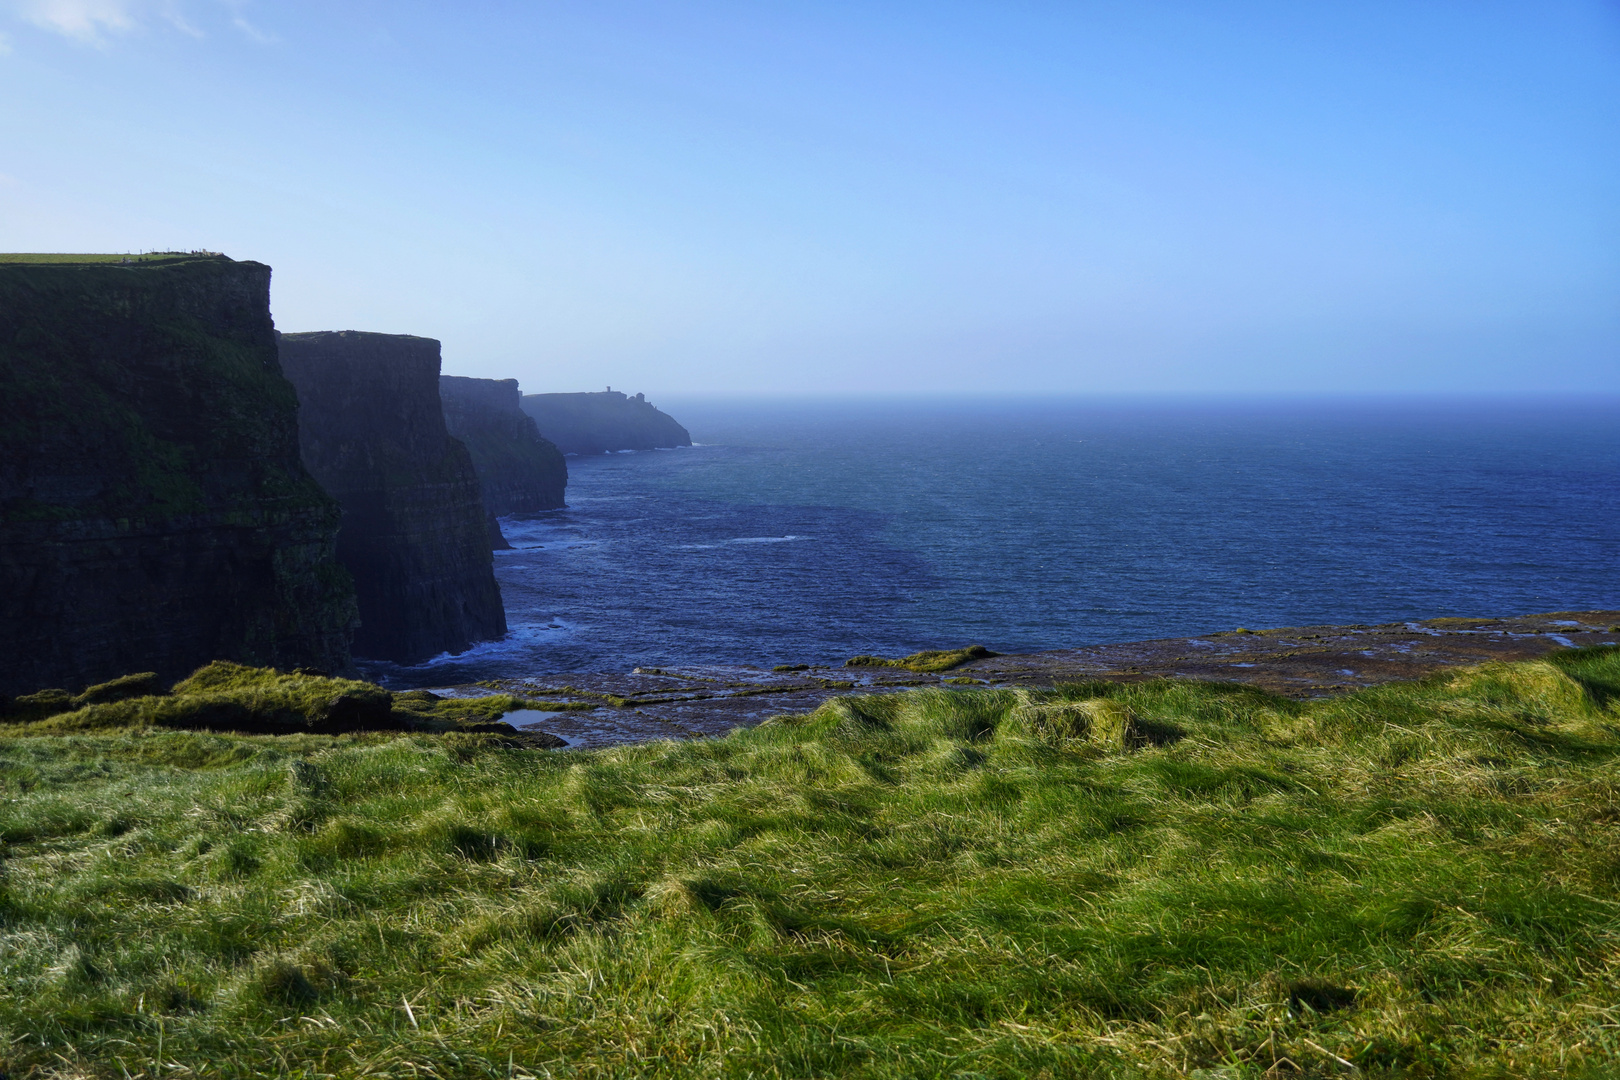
x=812 y=531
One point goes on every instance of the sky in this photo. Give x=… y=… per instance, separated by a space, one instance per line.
x=1346 y=197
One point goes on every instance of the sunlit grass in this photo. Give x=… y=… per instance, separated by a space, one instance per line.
x=931 y=660
x=60 y=258
x=1103 y=880
x=225 y=696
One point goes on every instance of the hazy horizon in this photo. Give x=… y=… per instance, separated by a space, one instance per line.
x=1376 y=200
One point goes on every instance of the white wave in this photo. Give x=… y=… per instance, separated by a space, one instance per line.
x=518 y=642
x=743 y=540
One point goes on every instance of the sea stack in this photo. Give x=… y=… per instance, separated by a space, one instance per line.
x=602 y=423
x=154 y=514
x=372 y=431
x=519 y=471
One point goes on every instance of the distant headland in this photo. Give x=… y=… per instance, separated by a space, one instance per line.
x=604 y=422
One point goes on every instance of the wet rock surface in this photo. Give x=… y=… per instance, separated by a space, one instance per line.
x=415 y=534
x=1300 y=662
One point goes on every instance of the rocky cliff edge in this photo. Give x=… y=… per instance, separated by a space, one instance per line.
x=414 y=536
x=154 y=514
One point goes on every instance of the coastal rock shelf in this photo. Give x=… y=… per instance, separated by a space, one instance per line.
x=1299 y=662
x=414 y=531
x=154 y=514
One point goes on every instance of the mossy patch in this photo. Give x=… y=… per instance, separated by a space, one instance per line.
x=226 y=696
x=929 y=661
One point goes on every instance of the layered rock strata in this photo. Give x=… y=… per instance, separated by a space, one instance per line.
x=519 y=471
x=605 y=422
x=372 y=432
x=154 y=513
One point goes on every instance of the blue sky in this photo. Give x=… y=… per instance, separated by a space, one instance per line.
x=847 y=198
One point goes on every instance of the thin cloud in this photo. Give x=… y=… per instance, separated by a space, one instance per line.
x=97 y=22
x=86 y=21
x=263 y=37
x=240 y=21
x=177 y=18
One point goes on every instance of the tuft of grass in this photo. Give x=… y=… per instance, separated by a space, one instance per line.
x=931 y=661
x=1150 y=880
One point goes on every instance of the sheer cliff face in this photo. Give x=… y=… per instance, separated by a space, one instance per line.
x=154 y=514
x=520 y=472
x=414 y=535
x=598 y=423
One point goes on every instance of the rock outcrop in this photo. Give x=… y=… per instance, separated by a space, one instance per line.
x=413 y=535
x=600 y=423
x=154 y=514
x=519 y=471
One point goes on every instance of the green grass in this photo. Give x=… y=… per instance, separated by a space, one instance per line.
x=60 y=258
x=1162 y=879
x=230 y=697
x=935 y=660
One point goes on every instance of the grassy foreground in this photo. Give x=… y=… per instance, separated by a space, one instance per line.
x=1151 y=880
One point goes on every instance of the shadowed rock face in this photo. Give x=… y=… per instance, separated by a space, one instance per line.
x=154 y=514
x=599 y=423
x=519 y=471
x=372 y=432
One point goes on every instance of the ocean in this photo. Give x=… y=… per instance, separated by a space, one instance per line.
x=812 y=531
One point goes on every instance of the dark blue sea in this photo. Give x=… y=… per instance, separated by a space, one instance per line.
x=811 y=531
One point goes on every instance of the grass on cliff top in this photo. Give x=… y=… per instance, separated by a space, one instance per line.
x=60 y=259
x=930 y=661
x=1162 y=879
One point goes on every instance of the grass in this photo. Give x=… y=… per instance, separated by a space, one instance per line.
x=935 y=660
x=225 y=696
x=62 y=259
x=1162 y=879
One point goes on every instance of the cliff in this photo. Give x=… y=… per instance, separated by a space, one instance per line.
x=519 y=471
x=598 y=423
x=372 y=432
x=154 y=514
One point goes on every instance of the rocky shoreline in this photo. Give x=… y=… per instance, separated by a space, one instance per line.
x=1298 y=662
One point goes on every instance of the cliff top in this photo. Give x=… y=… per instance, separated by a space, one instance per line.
x=371 y=337
x=69 y=259
x=594 y=397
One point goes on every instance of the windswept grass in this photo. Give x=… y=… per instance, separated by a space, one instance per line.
x=60 y=258
x=1160 y=879
x=935 y=660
